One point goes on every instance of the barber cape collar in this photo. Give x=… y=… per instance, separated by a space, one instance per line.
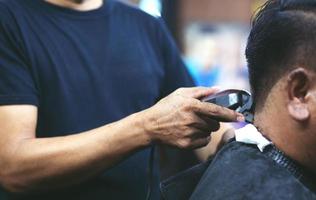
x=250 y=135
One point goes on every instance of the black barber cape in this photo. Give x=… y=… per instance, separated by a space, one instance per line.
x=239 y=171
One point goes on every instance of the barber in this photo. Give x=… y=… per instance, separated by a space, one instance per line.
x=79 y=82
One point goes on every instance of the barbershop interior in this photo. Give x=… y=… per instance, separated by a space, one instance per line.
x=157 y=100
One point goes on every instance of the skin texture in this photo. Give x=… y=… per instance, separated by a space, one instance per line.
x=288 y=117
x=29 y=164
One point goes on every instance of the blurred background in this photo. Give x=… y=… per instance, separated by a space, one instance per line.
x=212 y=36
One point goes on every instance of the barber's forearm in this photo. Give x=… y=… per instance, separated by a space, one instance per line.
x=30 y=165
x=45 y=164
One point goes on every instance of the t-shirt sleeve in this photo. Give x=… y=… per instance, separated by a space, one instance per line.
x=16 y=82
x=176 y=74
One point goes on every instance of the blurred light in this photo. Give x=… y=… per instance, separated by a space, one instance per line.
x=152 y=7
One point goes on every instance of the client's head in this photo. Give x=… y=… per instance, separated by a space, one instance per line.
x=281 y=55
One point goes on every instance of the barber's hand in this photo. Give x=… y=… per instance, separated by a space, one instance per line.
x=182 y=120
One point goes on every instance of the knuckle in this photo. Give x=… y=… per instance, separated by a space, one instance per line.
x=180 y=90
x=220 y=111
x=186 y=106
x=188 y=120
x=194 y=133
x=216 y=110
x=195 y=103
x=191 y=105
x=185 y=131
x=184 y=143
x=193 y=123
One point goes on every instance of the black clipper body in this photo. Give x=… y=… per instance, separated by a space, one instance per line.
x=238 y=100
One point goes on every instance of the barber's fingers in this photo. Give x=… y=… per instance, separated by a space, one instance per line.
x=217 y=112
x=205 y=123
x=197 y=92
x=212 y=125
x=200 y=142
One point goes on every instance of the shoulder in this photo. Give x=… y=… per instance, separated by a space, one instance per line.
x=134 y=14
x=241 y=171
x=9 y=5
x=6 y=2
x=9 y=10
x=136 y=20
x=5 y=9
x=7 y=16
x=130 y=10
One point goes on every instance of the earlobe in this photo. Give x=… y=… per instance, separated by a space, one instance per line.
x=298 y=111
x=298 y=90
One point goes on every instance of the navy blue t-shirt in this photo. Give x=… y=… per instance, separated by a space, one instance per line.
x=84 y=70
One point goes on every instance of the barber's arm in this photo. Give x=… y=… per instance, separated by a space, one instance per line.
x=30 y=164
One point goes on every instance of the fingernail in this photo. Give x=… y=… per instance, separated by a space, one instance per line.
x=240 y=118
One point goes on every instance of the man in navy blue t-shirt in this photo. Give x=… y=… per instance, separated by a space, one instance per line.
x=78 y=84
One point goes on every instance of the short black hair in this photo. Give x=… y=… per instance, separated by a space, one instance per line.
x=283 y=37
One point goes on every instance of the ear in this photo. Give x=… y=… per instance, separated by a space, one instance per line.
x=299 y=86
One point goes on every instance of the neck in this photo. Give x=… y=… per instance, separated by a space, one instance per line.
x=288 y=137
x=80 y=5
